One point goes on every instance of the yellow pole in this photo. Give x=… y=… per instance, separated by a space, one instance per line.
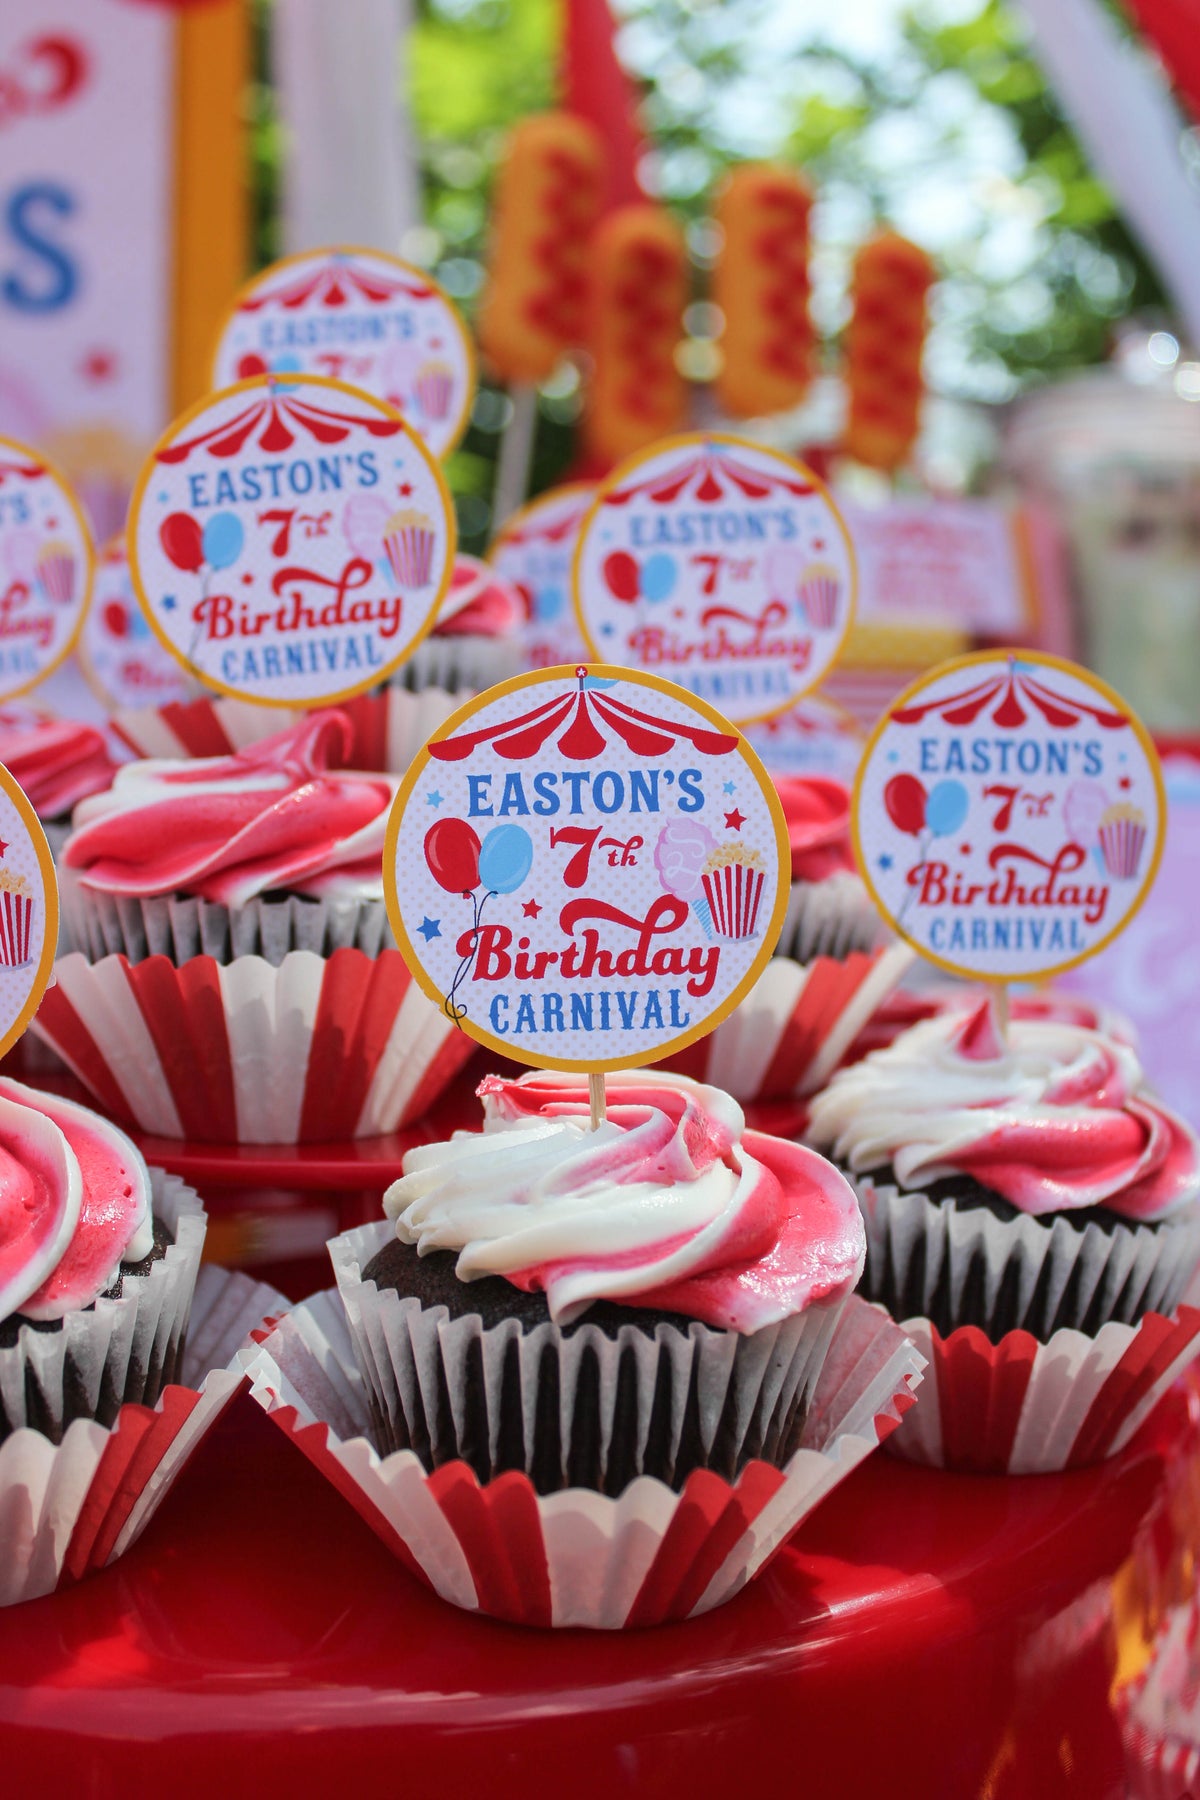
x=211 y=223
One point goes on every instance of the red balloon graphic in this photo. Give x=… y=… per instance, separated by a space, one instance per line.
x=621 y=573
x=905 y=799
x=250 y=364
x=115 y=620
x=452 y=852
x=180 y=535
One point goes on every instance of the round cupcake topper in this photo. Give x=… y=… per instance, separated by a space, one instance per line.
x=534 y=552
x=28 y=911
x=123 y=662
x=290 y=542
x=587 y=868
x=46 y=563
x=1009 y=815
x=362 y=317
x=817 y=736
x=721 y=565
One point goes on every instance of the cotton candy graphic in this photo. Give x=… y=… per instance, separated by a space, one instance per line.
x=364 y=521
x=1084 y=807
x=682 y=850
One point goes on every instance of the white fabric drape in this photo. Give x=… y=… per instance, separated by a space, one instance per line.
x=350 y=173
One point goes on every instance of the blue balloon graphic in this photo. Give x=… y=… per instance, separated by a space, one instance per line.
x=505 y=858
x=946 y=808
x=658 y=576
x=223 y=539
x=550 y=602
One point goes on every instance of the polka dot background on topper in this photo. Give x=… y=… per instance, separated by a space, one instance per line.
x=123 y=662
x=720 y=565
x=28 y=911
x=46 y=562
x=586 y=867
x=291 y=541
x=359 y=316
x=1009 y=815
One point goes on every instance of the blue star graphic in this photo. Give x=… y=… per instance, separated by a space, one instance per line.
x=168 y=604
x=430 y=928
x=729 y=788
x=433 y=799
x=885 y=862
x=163 y=499
x=893 y=756
x=607 y=630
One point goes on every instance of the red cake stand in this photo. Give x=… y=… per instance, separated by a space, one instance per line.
x=924 y=1637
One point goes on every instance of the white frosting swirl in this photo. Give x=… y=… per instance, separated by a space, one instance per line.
x=661 y=1200
x=1052 y=1118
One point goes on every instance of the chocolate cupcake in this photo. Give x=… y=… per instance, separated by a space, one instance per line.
x=98 y=1261
x=1020 y=1182
x=650 y=1298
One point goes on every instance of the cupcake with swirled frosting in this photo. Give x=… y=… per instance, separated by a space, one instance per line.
x=1018 y=1180
x=829 y=910
x=272 y=849
x=57 y=762
x=98 y=1260
x=475 y=641
x=650 y=1297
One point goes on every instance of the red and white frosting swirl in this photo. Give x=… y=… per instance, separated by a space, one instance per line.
x=670 y=1203
x=58 y=762
x=478 y=603
x=817 y=810
x=1052 y=1117
x=74 y=1204
x=277 y=815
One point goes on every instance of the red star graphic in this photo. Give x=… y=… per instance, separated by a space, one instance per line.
x=247 y=579
x=98 y=365
x=531 y=909
x=964 y=849
x=734 y=820
x=1125 y=782
x=3 y=848
x=404 y=490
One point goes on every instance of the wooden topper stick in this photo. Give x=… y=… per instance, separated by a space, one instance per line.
x=596 y=1097
x=516 y=454
x=1001 y=991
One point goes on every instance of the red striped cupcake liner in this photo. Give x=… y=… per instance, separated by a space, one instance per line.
x=316 y=1050
x=577 y=1557
x=70 y=1509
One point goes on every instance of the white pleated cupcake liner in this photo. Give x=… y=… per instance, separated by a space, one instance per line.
x=1009 y=1262
x=180 y=926
x=460 y=665
x=316 y=1050
x=577 y=1557
x=69 y=1509
x=829 y=918
x=442 y=1386
x=111 y=1353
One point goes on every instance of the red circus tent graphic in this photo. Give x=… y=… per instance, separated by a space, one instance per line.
x=279 y=418
x=19 y=471
x=713 y=473
x=589 y=714
x=537 y=533
x=1009 y=700
x=336 y=283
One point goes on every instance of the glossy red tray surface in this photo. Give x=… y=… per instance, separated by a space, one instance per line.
x=926 y=1635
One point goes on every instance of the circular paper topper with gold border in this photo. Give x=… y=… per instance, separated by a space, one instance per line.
x=587 y=868
x=721 y=565
x=28 y=911
x=1009 y=815
x=291 y=541
x=534 y=550
x=46 y=568
x=361 y=316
